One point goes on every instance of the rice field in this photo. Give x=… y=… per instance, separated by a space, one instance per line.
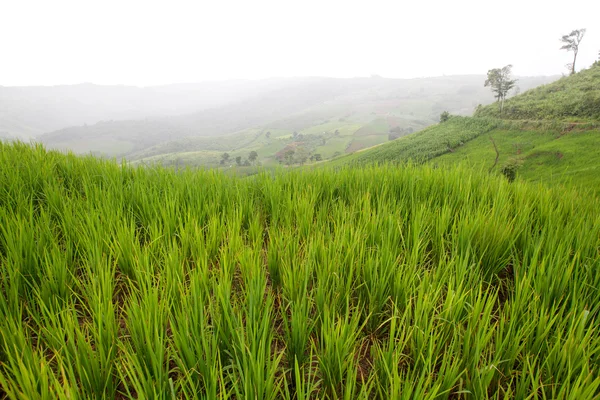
x=360 y=283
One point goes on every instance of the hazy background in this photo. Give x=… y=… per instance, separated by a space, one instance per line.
x=158 y=42
x=188 y=81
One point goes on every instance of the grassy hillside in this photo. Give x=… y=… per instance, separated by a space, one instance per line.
x=574 y=97
x=555 y=153
x=550 y=134
x=380 y=282
x=552 y=153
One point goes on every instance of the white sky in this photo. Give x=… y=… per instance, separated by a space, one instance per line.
x=47 y=42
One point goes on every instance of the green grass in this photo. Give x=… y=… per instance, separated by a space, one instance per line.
x=557 y=157
x=378 y=282
x=574 y=97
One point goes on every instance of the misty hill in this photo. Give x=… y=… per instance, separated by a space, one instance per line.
x=554 y=150
x=348 y=114
x=26 y=112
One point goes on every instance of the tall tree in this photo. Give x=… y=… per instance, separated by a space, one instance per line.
x=499 y=80
x=571 y=43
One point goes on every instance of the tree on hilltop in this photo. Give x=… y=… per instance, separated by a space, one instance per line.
x=445 y=116
x=499 y=80
x=571 y=43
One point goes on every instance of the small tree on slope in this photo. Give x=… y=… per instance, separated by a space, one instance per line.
x=499 y=80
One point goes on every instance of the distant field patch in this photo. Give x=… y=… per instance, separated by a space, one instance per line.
x=334 y=145
x=365 y=141
x=379 y=126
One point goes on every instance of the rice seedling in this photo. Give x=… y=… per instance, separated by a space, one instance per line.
x=374 y=282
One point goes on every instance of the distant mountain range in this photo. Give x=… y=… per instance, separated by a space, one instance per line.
x=124 y=121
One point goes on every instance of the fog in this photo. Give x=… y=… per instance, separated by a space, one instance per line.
x=151 y=43
x=150 y=81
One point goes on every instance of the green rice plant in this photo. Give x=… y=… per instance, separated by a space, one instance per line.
x=305 y=384
x=26 y=373
x=373 y=282
x=298 y=328
x=389 y=356
x=375 y=290
x=196 y=346
x=255 y=369
x=337 y=344
x=146 y=366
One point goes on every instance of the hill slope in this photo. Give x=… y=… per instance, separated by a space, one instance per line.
x=574 y=97
x=424 y=145
x=27 y=112
x=371 y=283
x=557 y=154
x=563 y=150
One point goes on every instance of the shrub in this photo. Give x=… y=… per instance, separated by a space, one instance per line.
x=509 y=170
x=445 y=116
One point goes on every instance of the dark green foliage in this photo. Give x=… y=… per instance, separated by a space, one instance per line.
x=509 y=170
x=253 y=156
x=445 y=116
x=225 y=157
x=289 y=157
